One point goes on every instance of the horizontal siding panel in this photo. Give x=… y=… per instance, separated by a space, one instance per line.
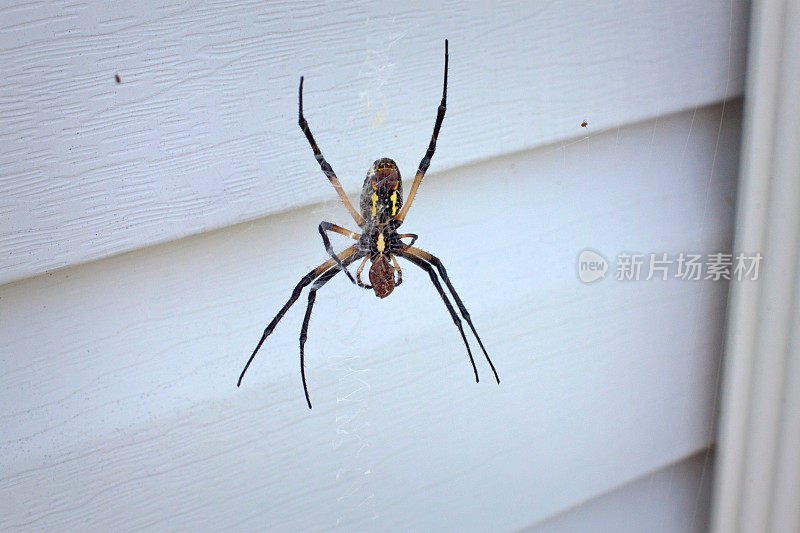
x=673 y=499
x=119 y=408
x=201 y=132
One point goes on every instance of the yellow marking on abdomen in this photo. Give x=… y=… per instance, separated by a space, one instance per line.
x=374 y=203
x=381 y=243
x=393 y=198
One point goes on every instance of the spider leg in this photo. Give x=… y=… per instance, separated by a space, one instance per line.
x=308 y=278
x=326 y=168
x=327 y=226
x=412 y=236
x=399 y=271
x=312 y=295
x=358 y=274
x=432 y=273
x=426 y=160
x=421 y=254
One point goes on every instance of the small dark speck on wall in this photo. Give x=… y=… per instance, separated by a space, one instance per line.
x=116 y=77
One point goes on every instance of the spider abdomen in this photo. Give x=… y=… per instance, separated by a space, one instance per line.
x=381 y=276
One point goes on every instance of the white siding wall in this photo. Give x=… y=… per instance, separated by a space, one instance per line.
x=119 y=407
x=672 y=499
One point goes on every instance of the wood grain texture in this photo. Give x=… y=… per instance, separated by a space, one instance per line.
x=119 y=408
x=201 y=131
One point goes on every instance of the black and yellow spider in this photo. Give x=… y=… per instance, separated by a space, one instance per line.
x=382 y=211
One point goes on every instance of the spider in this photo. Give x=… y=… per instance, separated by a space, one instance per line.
x=381 y=212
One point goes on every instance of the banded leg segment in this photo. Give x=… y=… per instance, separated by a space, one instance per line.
x=326 y=168
x=432 y=259
x=312 y=295
x=307 y=279
x=432 y=273
x=328 y=226
x=426 y=160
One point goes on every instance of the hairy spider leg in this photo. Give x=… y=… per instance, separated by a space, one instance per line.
x=432 y=259
x=326 y=168
x=328 y=226
x=432 y=273
x=312 y=295
x=426 y=160
x=307 y=279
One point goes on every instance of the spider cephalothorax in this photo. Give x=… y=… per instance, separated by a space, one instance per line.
x=380 y=243
x=382 y=193
x=381 y=213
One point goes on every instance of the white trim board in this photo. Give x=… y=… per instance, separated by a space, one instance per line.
x=757 y=487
